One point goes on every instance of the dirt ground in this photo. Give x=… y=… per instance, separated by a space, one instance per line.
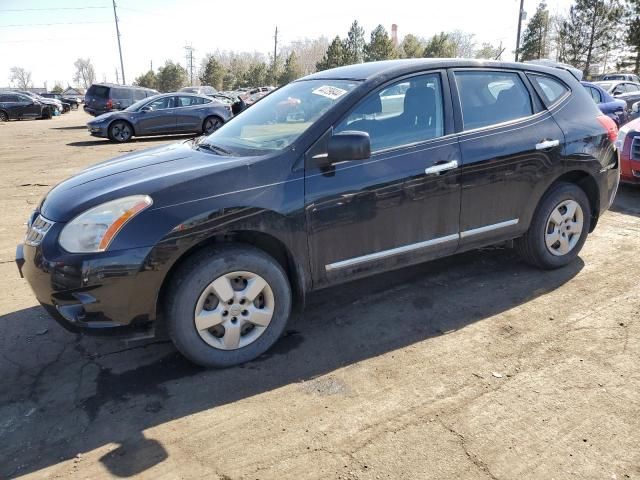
x=475 y=366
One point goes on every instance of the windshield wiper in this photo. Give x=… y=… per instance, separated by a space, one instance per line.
x=214 y=148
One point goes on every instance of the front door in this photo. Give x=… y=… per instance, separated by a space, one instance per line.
x=402 y=205
x=159 y=118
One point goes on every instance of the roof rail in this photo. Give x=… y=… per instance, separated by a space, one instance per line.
x=562 y=66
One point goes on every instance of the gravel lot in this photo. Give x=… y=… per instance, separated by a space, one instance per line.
x=475 y=366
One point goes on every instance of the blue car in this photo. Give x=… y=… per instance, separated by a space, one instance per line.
x=613 y=108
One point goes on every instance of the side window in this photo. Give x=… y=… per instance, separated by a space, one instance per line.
x=139 y=95
x=189 y=101
x=552 y=90
x=161 y=103
x=631 y=87
x=403 y=113
x=489 y=98
x=121 y=94
x=595 y=94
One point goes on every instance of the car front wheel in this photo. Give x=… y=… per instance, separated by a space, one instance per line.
x=558 y=229
x=227 y=305
x=120 y=131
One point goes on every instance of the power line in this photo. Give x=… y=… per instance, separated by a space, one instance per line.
x=45 y=9
x=48 y=24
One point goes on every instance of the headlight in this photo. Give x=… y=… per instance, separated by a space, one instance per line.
x=622 y=134
x=93 y=230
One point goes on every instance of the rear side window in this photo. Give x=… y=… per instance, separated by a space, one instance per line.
x=139 y=95
x=595 y=94
x=121 y=93
x=489 y=98
x=184 y=101
x=98 y=91
x=551 y=89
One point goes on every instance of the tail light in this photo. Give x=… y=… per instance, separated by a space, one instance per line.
x=610 y=126
x=109 y=104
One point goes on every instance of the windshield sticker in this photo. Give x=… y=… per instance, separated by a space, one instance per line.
x=330 y=92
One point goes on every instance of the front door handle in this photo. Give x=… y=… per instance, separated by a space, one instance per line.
x=547 y=144
x=441 y=167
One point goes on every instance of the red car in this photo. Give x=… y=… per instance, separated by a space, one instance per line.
x=628 y=144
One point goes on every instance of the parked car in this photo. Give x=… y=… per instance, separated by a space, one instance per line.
x=630 y=77
x=628 y=144
x=16 y=106
x=201 y=90
x=169 y=113
x=220 y=237
x=56 y=106
x=106 y=97
x=615 y=87
x=73 y=103
x=614 y=108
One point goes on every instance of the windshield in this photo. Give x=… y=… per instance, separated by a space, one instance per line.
x=134 y=107
x=278 y=119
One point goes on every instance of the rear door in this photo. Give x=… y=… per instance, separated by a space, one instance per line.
x=189 y=113
x=508 y=142
x=28 y=106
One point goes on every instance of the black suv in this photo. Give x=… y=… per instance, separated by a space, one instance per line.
x=105 y=97
x=342 y=174
x=17 y=106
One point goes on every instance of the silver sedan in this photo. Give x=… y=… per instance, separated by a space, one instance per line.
x=168 y=113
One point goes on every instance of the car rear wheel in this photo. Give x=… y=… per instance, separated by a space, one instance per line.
x=559 y=228
x=227 y=306
x=4 y=117
x=211 y=124
x=120 y=131
x=46 y=113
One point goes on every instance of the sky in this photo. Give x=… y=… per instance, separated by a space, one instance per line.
x=47 y=36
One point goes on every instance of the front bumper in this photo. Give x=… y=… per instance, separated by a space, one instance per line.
x=102 y=293
x=630 y=171
x=98 y=130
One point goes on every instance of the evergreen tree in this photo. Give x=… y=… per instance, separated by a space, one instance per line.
x=171 y=77
x=439 y=46
x=535 y=38
x=57 y=88
x=334 y=56
x=354 y=44
x=147 y=80
x=589 y=33
x=412 y=46
x=213 y=73
x=632 y=38
x=380 y=47
x=488 y=52
x=292 y=69
x=257 y=75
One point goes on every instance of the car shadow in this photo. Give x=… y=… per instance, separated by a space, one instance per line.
x=627 y=200
x=111 y=393
x=105 y=141
x=75 y=127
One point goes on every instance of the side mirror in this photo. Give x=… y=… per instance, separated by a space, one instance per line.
x=616 y=92
x=349 y=146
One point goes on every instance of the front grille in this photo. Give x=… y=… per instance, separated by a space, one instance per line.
x=635 y=148
x=36 y=230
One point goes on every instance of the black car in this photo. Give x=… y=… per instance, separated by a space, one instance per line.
x=106 y=97
x=72 y=102
x=339 y=175
x=17 y=106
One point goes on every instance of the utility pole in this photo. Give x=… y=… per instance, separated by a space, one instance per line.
x=117 y=77
x=189 y=57
x=275 y=56
x=520 y=15
x=151 y=67
x=115 y=16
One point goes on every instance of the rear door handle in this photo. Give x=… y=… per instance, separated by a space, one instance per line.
x=441 y=167
x=547 y=144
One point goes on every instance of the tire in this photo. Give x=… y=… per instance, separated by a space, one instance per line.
x=551 y=240
x=120 y=131
x=3 y=116
x=193 y=281
x=211 y=124
x=46 y=113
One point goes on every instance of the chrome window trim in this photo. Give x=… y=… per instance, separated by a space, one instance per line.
x=350 y=262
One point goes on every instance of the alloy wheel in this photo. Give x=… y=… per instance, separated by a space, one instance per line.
x=3 y=117
x=234 y=310
x=121 y=131
x=564 y=227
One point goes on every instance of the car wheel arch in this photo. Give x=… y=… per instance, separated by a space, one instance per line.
x=133 y=128
x=269 y=244
x=212 y=116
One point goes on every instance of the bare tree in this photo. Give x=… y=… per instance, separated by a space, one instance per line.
x=21 y=77
x=85 y=73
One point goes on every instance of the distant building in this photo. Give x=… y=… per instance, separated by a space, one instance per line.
x=32 y=89
x=77 y=93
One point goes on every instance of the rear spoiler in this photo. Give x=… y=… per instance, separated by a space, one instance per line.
x=577 y=73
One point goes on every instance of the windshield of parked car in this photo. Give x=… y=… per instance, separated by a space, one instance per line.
x=134 y=107
x=277 y=120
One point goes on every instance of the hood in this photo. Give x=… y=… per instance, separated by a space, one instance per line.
x=153 y=172
x=105 y=116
